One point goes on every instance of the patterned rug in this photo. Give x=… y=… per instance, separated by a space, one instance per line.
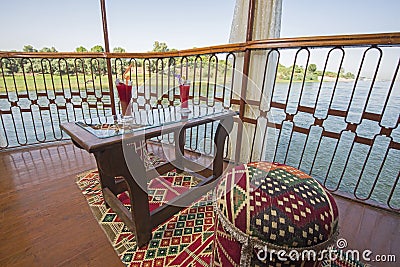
x=184 y=240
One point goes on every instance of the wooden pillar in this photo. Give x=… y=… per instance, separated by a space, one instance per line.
x=107 y=50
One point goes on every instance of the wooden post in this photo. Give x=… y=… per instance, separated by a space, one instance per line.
x=107 y=50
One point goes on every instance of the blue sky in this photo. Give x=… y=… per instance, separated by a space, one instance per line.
x=135 y=24
x=323 y=17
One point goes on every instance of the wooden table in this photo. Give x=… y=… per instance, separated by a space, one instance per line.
x=115 y=158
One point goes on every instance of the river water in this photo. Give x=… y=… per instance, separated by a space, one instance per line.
x=325 y=158
x=327 y=162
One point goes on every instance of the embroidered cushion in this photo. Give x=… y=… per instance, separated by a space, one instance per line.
x=268 y=205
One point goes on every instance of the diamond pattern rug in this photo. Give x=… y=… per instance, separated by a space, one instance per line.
x=184 y=240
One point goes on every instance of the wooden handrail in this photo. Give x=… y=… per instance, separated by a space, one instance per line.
x=53 y=54
x=383 y=39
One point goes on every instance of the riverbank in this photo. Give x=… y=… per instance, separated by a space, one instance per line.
x=326 y=79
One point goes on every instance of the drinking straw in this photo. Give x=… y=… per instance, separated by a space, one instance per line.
x=127 y=78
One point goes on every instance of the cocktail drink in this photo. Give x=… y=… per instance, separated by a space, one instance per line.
x=184 y=95
x=125 y=95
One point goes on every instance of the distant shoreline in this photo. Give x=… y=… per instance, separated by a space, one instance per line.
x=326 y=79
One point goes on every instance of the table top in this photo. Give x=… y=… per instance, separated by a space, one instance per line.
x=98 y=133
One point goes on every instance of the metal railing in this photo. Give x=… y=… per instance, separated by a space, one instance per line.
x=37 y=94
x=340 y=128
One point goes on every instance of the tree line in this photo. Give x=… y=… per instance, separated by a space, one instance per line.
x=98 y=66
x=61 y=66
x=297 y=73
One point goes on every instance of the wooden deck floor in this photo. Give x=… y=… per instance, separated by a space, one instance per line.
x=45 y=220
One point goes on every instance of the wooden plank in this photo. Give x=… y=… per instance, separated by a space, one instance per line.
x=159 y=170
x=119 y=208
x=372 y=116
x=278 y=105
x=40 y=205
x=309 y=110
x=337 y=112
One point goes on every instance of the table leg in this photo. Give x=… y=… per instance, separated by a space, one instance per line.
x=224 y=128
x=179 y=137
x=112 y=163
x=187 y=198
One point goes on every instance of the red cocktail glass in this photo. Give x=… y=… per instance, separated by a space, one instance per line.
x=184 y=95
x=125 y=95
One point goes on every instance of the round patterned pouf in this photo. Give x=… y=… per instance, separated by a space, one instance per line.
x=271 y=214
